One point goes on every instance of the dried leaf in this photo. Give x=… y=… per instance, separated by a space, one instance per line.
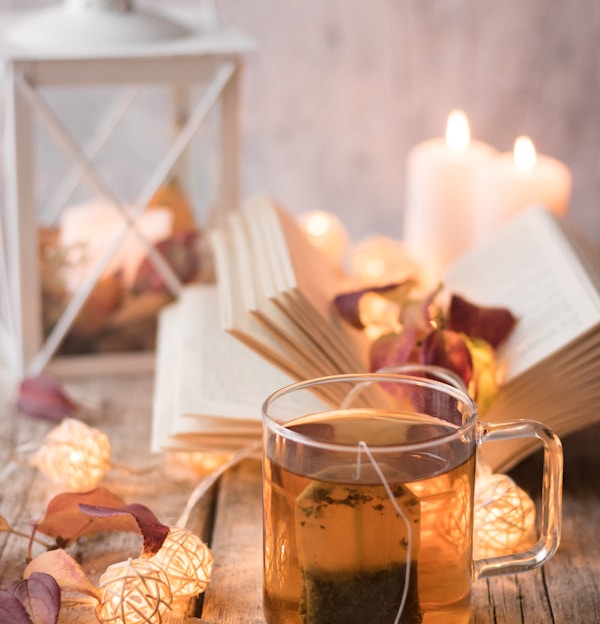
x=180 y=252
x=448 y=349
x=4 y=526
x=40 y=595
x=65 y=570
x=393 y=349
x=492 y=324
x=152 y=530
x=11 y=609
x=347 y=304
x=42 y=396
x=65 y=521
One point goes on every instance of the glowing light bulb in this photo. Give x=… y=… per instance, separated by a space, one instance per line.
x=525 y=156
x=74 y=456
x=188 y=562
x=504 y=516
x=458 y=133
x=136 y=591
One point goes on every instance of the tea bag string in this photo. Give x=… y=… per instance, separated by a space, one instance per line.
x=363 y=446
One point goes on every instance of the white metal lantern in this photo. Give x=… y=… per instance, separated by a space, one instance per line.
x=75 y=75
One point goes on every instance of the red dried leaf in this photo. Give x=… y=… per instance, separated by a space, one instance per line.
x=65 y=570
x=40 y=595
x=393 y=349
x=181 y=254
x=11 y=609
x=152 y=530
x=43 y=397
x=446 y=348
x=347 y=304
x=492 y=324
x=65 y=520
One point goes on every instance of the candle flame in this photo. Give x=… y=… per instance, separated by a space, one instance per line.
x=524 y=154
x=458 y=134
x=318 y=223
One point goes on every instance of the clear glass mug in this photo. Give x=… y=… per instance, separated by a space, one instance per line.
x=368 y=500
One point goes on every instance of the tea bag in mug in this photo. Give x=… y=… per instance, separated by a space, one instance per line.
x=355 y=550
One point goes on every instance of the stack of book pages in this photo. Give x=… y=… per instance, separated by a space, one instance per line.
x=269 y=321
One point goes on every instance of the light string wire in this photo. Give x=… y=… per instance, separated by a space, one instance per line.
x=363 y=446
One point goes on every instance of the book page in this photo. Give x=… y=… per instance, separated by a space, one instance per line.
x=530 y=268
x=217 y=384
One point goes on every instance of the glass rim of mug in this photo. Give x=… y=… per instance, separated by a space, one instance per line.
x=444 y=387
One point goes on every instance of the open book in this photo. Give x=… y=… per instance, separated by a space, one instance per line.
x=274 y=299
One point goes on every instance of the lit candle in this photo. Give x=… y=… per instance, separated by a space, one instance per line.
x=88 y=229
x=515 y=180
x=381 y=260
x=439 y=215
x=325 y=232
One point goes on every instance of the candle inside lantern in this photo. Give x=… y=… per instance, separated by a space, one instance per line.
x=325 y=232
x=515 y=180
x=439 y=210
x=87 y=230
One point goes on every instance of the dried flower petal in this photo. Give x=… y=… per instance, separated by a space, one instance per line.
x=43 y=397
x=493 y=324
x=446 y=348
x=65 y=571
x=152 y=530
x=40 y=595
x=393 y=349
x=11 y=609
x=65 y=521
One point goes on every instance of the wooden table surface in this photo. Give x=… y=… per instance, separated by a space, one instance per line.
x=565 y=591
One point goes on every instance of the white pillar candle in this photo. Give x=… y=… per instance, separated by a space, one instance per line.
x=439 y=218
x=515 y=180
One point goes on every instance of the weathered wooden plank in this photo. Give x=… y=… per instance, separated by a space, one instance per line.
x=235 y=592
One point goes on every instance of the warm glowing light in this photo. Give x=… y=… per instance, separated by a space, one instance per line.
x=524 y=154
x=136 y=591
x=504 y=516
x=378 y=259
x=188 y=562
x=74 y=456
x=458 y=134
x=326 y=232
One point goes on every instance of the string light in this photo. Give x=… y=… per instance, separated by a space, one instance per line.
x=74 y=456
x=187 y=561
x=136 y=591
x=504 y=516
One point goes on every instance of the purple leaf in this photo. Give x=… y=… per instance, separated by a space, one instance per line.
x=43 y=397
x=40 y=595
x=492 y=324
x=393 y=349
x=152 y=530
x=446 y=348
x=11 y=610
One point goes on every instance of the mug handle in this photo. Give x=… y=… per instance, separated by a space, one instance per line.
x=549 y=538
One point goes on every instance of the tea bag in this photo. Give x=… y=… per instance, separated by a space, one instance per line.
x=353 y=548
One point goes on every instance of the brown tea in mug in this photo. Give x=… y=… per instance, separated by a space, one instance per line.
x=358 y=540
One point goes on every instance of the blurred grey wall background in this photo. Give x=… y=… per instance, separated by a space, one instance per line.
x=340 y=90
